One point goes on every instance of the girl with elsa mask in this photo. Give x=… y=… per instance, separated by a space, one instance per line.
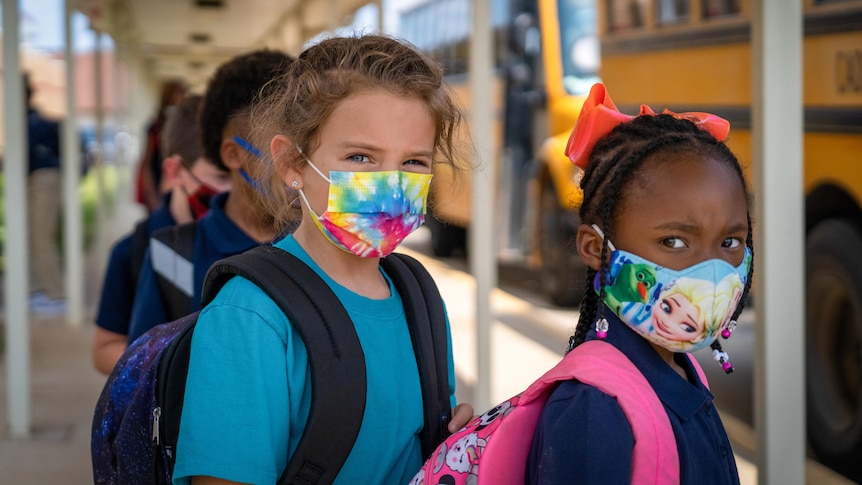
x=666 y=235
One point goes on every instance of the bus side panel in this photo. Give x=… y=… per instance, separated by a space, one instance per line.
x=450 y=198
x=724 y=80
x=833 y=69
x=834 y=159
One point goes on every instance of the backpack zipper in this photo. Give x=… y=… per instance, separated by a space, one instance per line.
x=157 y=413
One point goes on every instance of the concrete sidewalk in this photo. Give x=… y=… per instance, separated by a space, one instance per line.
x=65 y=387
x=64 y=390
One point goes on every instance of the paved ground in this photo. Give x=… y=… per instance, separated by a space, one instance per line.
x=64 y=389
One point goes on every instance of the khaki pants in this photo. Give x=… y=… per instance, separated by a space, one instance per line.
x=43 y=207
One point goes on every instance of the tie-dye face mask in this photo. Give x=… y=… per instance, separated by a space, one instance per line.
x=682 y=311
x=370 y=213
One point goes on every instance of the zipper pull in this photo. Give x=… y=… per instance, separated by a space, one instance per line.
x=157 y=413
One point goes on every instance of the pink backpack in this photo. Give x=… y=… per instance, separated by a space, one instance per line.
x=493 y=448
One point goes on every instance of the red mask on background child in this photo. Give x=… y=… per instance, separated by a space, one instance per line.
x=199 y=202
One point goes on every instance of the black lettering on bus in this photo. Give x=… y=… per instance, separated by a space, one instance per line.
x=848 y=71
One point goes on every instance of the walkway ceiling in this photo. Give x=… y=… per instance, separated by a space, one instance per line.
x=188 y=38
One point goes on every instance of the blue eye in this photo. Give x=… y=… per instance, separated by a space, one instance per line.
x=665 y=307
x=359 y=158
x=417 y=162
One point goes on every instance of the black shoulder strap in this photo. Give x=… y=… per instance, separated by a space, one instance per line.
x=181 y=239
x=140 y=243
x=426 y=319
x=334 y=353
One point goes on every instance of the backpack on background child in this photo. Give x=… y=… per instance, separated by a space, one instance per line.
x=493 y=448
x=137 y=417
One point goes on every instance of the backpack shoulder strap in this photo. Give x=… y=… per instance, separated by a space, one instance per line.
x=172 y=255
x=334 y=353
x=139 y=243
x=426 y=319
x=600 y=364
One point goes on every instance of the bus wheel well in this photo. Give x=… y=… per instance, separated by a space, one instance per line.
x=834 y=344
x=563 y=273
x=830 y=201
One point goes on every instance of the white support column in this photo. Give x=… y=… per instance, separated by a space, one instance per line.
x=483 y=255
x=380 y=15
x=101 y=239
x=779 y=260
x=17 y=277
x=71 y=169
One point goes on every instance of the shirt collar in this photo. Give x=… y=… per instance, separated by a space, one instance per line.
x=683 y=397
x=226 y=237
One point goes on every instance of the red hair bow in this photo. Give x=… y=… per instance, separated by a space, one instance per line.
x=600 y=116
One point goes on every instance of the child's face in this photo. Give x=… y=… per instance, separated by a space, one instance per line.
x=675 y=318
x=682 y=208
x=370 y=131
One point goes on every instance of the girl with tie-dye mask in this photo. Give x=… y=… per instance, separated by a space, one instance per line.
x=666 y=235
x=350 y=136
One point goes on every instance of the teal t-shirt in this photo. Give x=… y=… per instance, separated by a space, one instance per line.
x=248 y=391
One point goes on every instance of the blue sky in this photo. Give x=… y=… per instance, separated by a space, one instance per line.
x=41 y=26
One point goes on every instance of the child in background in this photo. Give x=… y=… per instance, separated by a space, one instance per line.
x=235 y=222
x=191 y=181
x=151 y=186
x=662 y=193
x=359 y=124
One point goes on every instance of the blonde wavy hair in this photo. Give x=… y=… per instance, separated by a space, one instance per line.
x=298 y=103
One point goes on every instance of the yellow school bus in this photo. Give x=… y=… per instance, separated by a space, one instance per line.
x=546 y=59
x=695 y=55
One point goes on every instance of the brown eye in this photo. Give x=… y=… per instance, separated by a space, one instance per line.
x=731 y=243
x=673 y=242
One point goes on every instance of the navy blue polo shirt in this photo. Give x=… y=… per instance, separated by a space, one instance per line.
x=43 y=142
x=584 y=437
x=216 y=237
x=118 y=287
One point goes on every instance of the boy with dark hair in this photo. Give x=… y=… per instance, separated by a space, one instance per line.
x=172 y=276
x=192 y=181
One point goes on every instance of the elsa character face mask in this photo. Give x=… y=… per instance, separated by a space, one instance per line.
x=682 y=311
x=370 y=213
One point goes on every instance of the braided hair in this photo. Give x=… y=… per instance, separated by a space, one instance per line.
x=613 y=165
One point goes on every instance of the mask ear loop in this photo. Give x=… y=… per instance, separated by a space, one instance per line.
x=313 y=166
x=601 y=321
x=718 y=354
x=721 y=357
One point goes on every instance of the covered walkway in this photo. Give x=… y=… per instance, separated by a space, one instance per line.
x=191 y=38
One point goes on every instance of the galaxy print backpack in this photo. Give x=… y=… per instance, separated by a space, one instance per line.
x=137 y=418
x=493 y=448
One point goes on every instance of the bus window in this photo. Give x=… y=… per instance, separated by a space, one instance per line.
x=580 y=45
x=443 y=28
x=720 y=8
x=625 y=14
x=672 y=11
